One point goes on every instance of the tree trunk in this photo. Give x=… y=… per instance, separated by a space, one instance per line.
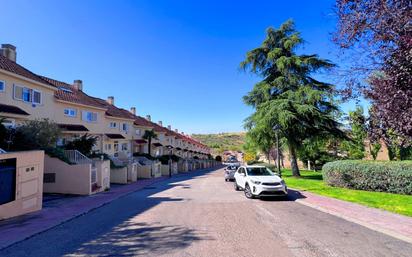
x=294 y=162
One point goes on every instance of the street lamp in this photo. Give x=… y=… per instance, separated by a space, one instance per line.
x=276 y=128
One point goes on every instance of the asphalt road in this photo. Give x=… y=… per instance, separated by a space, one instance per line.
x=201 y=215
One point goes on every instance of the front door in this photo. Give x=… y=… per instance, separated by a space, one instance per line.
x=7 y=180
x=116 y=149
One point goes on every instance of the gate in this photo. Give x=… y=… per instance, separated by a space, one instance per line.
x=7 y=180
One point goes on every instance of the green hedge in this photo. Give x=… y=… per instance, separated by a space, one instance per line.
x=382 y=176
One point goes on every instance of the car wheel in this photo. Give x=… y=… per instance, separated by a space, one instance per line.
x=236 y=186
x=248 y=192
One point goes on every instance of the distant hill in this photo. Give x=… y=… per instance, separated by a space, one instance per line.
x=222 y=141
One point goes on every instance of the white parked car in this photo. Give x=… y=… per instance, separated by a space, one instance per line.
x=259 y=181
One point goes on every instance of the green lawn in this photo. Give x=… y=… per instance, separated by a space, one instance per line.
x=312 y=181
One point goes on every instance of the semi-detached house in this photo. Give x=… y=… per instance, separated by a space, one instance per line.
x=25 y=95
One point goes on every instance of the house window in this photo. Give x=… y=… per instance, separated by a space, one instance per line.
x=27 y=95
x=138 y=132
x=124 y=147
x=70 y=112
x=89 y=116
x=36 y=96
x=125 y=127
x=2 y=85
x=116 y=146
x=108 y=147
x=61 y=142
x=112 y=125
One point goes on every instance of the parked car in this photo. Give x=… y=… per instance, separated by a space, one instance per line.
x=257 y=181
x=230 y=171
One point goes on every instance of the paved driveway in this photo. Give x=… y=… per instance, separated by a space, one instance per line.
x=201 y=215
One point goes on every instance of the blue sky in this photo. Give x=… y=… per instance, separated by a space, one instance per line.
x=175 y=60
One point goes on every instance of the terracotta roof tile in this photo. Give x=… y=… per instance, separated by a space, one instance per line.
x=114 y=111
x=70 y=94
x=140 y=121
x=10 y=66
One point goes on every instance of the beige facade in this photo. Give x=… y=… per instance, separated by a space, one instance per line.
x=26 y=190
x=27 y=96
x=35 y=110
x=78 y=179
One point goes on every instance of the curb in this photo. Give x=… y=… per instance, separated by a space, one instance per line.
x=364 y=224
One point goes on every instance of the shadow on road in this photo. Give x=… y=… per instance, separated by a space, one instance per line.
x=293 y=195
x=115 y=229
x=132 y=238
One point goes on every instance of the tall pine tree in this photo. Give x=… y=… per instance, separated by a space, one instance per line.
x=288 y=96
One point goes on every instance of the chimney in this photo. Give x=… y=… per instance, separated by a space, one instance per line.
x=110 y=100
x=160 y=123
x=133 y=110
x=183 y=133
x=176 y=130
x=8 y=51
x=169 y=127
x=148 y=118
x=78 y=84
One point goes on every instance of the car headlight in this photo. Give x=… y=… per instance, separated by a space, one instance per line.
x=255 y=182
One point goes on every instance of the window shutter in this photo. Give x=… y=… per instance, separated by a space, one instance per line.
x=94 y=115
x=18 y=92
x=84 y=115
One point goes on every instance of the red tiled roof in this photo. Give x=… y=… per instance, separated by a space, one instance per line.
x=70 y=94
x=140 y=121
x=159 y=128
x=114 y=111
x=10 y=66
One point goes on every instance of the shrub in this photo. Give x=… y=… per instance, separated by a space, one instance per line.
x=164 y=159
x=83 y=144
x=148 y=156
x=34 y=134
x=58 y=153
x=392 y=177
x=97 y=155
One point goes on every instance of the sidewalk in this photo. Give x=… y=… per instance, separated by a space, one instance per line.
x=392 y=224
x=59 y=211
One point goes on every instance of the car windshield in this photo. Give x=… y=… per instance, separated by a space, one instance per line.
x=259 y=171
